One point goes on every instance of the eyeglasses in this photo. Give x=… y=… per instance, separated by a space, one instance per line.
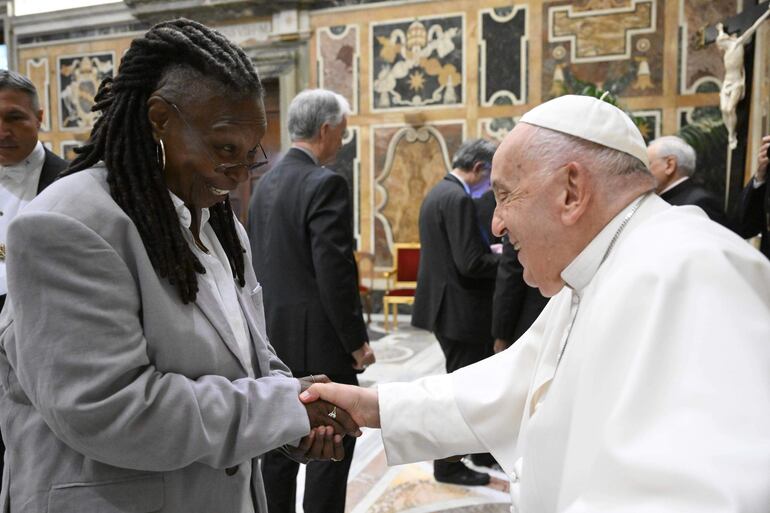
x=224 y=167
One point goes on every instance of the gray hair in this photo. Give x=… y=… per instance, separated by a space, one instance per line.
x=311 y=108
x=475 y=150
x=676 y=147
x=554 y=149
x=18 y=82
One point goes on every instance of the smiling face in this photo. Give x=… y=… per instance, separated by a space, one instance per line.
x=19 y=124
x=528 y=210
x=199 y=135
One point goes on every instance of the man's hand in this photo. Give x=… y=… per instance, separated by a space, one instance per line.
x=321 y=444
x=321 y=413
x=364 y=357
x=761 y=174
x=501 y=345
x=363 y=404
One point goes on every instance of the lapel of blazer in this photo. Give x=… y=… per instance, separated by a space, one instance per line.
x=49 y=172
x=258 y=343
x=209 y=305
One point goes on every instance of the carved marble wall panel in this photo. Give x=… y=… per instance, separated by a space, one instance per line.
x=701 y=69
x=348 y=164
x=407 y=161
x=503 y=53
x=338 y=60
x=79 y=77
x=417 y=63
x=615 y=44
x=39 y=73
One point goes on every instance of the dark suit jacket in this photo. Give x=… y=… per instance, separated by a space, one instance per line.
x=754 y=215
x=516 y=304
x=52 y=166
x=302 y=249
x=690 y=193
x=456 y=278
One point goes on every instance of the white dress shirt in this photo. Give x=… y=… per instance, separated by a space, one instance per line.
x=18 y=185
x=218 y=277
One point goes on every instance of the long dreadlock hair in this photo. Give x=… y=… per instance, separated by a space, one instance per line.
x=122 y=138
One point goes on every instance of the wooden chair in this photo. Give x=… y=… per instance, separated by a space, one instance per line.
x=365 y=264
x=402 y=280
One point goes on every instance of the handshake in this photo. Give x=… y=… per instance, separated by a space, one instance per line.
x=334 y=410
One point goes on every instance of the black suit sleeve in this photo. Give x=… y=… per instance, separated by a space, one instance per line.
x=510 y=293
x=751 y=210
x=471 y=256
x=331 y=242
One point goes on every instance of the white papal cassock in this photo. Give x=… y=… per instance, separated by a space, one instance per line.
x=661 y=402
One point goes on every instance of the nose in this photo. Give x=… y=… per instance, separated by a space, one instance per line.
x=239 y=173
x=498 y=226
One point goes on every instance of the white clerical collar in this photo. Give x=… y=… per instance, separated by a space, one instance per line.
x=579 y=273
x=674 y=184
x=184 y=213
x=21 y=170
x=465 y=185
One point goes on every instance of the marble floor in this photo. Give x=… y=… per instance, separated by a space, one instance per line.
x=403 y=355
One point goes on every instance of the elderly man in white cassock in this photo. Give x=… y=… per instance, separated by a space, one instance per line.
x=644 y=386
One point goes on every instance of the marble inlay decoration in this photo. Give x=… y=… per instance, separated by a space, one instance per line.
x=408 y=162
x=495 y=129
x=348 y=165
x=66 y=149
x=701 y=68
x=417 y=63
x=597 y=31
x=503 y=52
x=338 y=60
x=39 y=74
x=616 y=45
x=649 y=123
x=79 y=78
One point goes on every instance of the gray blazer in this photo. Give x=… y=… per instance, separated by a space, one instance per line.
x=114 y=397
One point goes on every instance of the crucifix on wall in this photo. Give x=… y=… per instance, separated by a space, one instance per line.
x=733 y=37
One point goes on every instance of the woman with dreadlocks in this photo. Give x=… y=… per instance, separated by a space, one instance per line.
x=135 y=373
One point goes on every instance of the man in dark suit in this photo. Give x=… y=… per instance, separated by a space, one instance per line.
x=754 y=209
x=26 y=166
x=516 y=305
x=456 y=277
x=672 y=162
x=302 y=247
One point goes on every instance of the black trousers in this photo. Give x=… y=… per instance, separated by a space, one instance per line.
x=326 y=482
x=459 y=354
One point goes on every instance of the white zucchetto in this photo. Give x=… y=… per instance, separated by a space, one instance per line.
x=591 y=119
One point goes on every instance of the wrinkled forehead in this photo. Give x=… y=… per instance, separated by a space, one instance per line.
x=512 y=159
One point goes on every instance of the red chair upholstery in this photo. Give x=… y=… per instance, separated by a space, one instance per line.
x=402 y=279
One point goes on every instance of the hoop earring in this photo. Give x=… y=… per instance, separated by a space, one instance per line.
x=161 y=154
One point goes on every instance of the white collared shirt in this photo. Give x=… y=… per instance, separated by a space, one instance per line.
x=218 y=277
x=674 y=184
x=18 y=185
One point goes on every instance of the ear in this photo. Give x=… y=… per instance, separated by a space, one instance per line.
x=159 y=113
x=670 y=166
x=39 y=117
x=479 y=167
x=577 y=193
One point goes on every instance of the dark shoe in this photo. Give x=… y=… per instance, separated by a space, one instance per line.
x=459 y=474
x=483 y=460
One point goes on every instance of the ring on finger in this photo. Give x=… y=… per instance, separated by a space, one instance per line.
x=333 y=414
